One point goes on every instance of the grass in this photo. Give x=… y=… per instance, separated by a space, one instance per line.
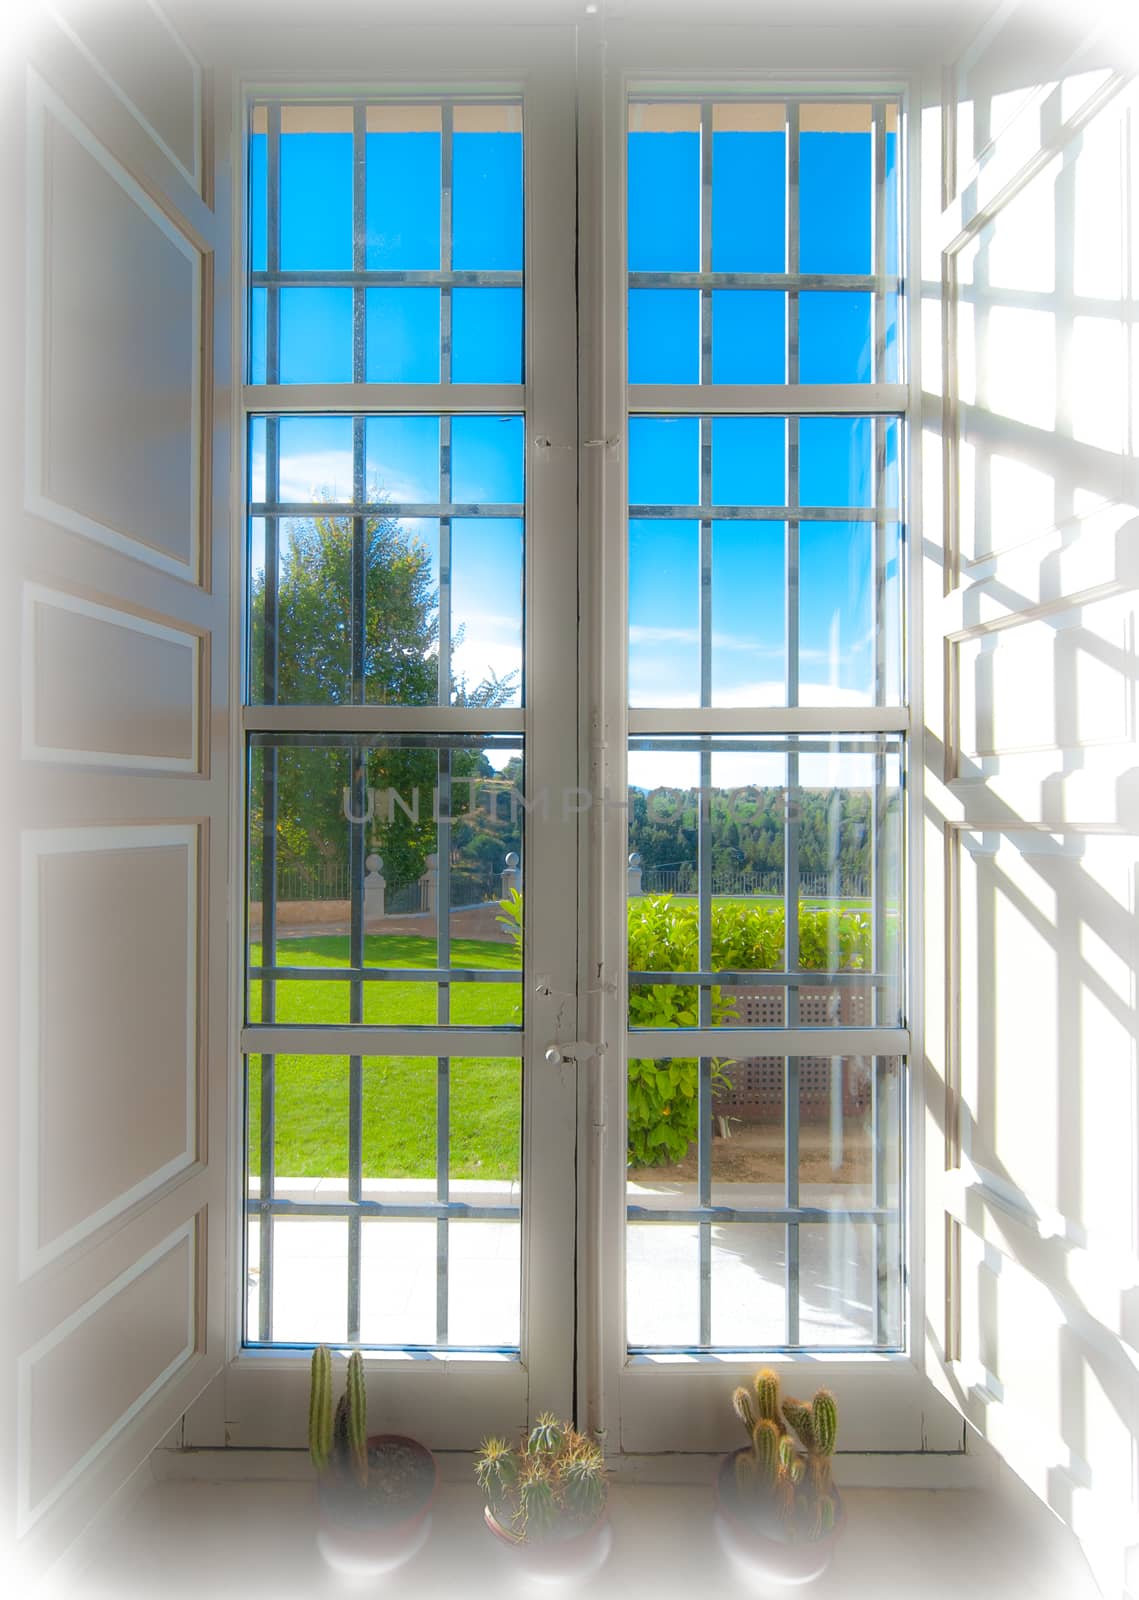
x=399 y=1092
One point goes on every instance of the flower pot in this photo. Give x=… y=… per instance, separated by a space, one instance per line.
x=578 y=1556
x=361 y=1534
x=775 y=1560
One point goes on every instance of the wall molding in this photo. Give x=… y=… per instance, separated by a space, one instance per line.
x=43 y=103
x=36 y=596
x=35 y=846
x=28 y=1511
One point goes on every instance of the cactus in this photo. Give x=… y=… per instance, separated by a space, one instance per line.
x=798 y=1415
x=784 y=1478
x=553 y=1485
x=357 y=1397
x=767 y=1396
x=320 y=1408
x=741 y=1403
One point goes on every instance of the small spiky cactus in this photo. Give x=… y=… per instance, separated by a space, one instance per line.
x=320 y=1408
x=553 y=1485
x=767 y=1396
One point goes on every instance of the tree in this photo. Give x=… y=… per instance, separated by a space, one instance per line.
x=314 y=664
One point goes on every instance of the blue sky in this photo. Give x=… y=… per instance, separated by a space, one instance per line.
x=749 y=455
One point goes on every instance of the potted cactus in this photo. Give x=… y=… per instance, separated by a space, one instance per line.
x=374 y=1490
x=779 y=1511
x=547 y=1499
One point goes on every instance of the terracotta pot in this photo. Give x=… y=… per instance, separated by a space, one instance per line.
x=777 y=1561
x=351 y=1546
x=576 y=1557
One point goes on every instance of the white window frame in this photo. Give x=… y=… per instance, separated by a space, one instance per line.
x=642 y=1405
x=648 y=1405
x=451 y=1398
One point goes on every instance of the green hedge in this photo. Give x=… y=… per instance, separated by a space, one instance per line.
x=664 y=936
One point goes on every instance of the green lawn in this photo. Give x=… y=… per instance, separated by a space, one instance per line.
x=399 y=1091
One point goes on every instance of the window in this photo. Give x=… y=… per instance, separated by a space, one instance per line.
x=510 y=978
x=385 y=576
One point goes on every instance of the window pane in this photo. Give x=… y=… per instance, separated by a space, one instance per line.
x=664 y=613
x=749 y=461
x=486 y=335
x=811 y=823
x=748 y=614
x=402 y=335
x=835 y=342
x=396 y=848
x=664 y=461
x=749 y=336
x=431 y=582
x=664 y=188
x=409 y=1109
x=749 y=189
x=316 y=188
x=487 y=187
x=664 y=335
x=403 y=190
x=316 y=335
x=835 y=188
x=835 y=461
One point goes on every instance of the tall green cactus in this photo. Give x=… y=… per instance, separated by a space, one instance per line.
x=798 y=1414
x=357 y=1397
x=824 y=1422
x=741 y=1404
x=320 y=1408
x=767 y=1395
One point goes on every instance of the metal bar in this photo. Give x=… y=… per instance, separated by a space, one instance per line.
x=399 y=974
x=730 y=742
x=656 y=1044
x=446 y=169
x=791 y=1192
x=807 y=979
x=762 y=399
x=343 y=1039
x=383 y=508
x=442 y=1194
x=359 y=239
x=272 y=241
x=384 y=1208
x=365 y=279
x=704 y=1193
x=793 y=243
x=842 y=282
x=479 y=399
x=727 y=720
x=879 y=1106
x=357 y=849
x=791 y=1215
x=794 y=513
x=445 y=561
x=456 y=723
x=878 y=139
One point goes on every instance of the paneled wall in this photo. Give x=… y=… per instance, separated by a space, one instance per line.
x=114 y=760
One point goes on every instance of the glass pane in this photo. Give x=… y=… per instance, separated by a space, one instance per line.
x=411 y=1109
x=664 y=613
x=749 y=336
x=402 y=335
x=814 y=822
x=403 y=189
x=749 y=461
x=257 y=336
x=486 y=609
x=662 y=1264
x=664 y=188
x=749 y=632
x=835 y=188
x=388 y=848
x=664 y=335
x=390 y=654
x=486 y=460
x=487 y=188
x=486 y=335
x=664 y=461
x=316 y=188
x=836 y=457
x=316 y=335
x=749 y=1277
x=835 y=339
x=749 y=188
